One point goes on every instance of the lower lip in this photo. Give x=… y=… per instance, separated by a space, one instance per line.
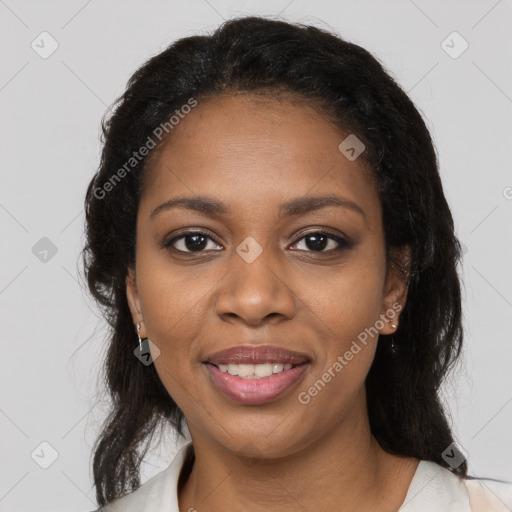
x=256 y=391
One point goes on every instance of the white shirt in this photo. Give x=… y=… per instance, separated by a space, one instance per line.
x=432 y=489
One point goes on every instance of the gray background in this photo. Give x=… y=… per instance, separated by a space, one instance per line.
x=52 y=335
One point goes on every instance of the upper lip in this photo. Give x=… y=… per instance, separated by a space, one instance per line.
x=257 y=354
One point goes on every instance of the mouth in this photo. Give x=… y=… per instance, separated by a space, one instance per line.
x=253 y=375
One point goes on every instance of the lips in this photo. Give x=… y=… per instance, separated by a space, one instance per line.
x=246 y=354
x=260 y=390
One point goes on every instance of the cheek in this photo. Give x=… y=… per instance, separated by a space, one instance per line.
x=172 y=301
x=185 y=389
x=345 y=311
x=175 y=307
x=349 y=300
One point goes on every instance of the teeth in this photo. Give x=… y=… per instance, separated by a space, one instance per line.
x=233 y=369
x=245 y=370
x=277 y=367
x=262 y=370
x=254 y=371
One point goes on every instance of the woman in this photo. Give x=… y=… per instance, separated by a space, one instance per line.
x=270 y=241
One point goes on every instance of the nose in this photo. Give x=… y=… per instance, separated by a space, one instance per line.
x=255 y=292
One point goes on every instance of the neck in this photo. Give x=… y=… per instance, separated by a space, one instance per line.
x=345 y=470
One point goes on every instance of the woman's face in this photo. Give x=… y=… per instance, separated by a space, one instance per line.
x=261 y=274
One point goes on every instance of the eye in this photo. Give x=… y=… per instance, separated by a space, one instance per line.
x=315 y=241
x=191 y=241
x=318 y=241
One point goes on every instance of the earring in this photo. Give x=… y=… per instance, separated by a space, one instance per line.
x=394 y=326
x=145 y=354
x=140 y=341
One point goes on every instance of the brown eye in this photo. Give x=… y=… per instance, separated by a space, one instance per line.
x=318 y=241
x=191 y=241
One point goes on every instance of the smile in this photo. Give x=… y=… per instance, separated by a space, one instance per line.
x=254 y=371
x=256 y=374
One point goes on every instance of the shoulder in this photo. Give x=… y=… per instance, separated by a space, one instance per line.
x=436 y=488
x=158 y=494
x=489 y=495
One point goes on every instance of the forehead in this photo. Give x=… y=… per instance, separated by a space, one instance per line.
x=256 y=148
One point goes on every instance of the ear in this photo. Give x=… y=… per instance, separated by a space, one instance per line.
x=133 y=301
x=395 y=288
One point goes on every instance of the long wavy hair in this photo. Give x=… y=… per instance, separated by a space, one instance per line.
x=351 y=87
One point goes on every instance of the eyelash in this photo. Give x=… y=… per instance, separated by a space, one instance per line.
x=343 y=243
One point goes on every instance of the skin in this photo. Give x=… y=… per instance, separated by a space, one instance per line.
x=253 y=154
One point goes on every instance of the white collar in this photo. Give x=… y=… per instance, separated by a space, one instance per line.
x=158 y=494
x=433 y=487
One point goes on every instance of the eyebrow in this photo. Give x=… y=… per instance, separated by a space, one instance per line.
x=298 y=206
